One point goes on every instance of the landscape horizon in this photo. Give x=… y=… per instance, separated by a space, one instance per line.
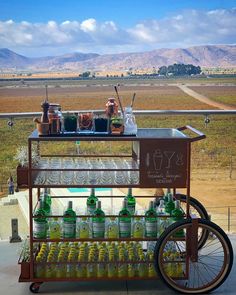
x=205 y=56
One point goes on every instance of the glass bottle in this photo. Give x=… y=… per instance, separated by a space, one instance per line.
x=69 y=222
x=125 y=222
x=178 y=215
x=98 y=222
x=170 y=205
x=91 y=202
x=47 y=202
x=138 y=228
x=84 y=229
x=131 y=201
x=112 y=231
x=40 y=223
x=151 y=221
x=54 y=228
x=162 y=221
x=130 y=126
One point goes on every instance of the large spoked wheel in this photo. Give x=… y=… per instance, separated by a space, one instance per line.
x=197 y=209
x=188 y=269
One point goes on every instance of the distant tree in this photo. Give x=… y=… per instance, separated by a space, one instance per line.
x=179 y=70
x=85 y=74
x=162 y=70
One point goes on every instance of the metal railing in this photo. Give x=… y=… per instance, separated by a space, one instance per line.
x=224 y=216
x=136 y=112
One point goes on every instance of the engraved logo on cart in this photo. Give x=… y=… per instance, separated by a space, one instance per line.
x=163 y=161
x=164 y=164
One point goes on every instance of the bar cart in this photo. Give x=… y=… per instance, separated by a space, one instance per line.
x=158 y=157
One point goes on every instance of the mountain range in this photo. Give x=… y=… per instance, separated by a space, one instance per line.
x=204 y=56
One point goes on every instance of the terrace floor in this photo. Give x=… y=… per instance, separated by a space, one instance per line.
x=9 y=273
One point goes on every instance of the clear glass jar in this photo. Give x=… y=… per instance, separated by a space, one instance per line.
x=55 y=118
x=129 y=122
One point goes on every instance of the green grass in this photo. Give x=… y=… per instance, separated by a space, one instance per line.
x=223 y=94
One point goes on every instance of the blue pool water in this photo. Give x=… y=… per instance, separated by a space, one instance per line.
x=86 y=190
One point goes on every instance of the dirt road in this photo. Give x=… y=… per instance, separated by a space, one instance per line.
x=204 y=99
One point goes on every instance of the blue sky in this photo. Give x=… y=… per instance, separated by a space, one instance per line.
x=55 y=27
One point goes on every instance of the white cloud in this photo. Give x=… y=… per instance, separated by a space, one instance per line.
x=189 y=27
x=89 y=25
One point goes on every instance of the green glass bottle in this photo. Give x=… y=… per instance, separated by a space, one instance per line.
x=178 y=215
x=162 y=221
x=69 y=222
x=40 y=223
x=131 y=201
x=151 y=221
x=47 y=196
x=125 y=222
x=166 y=196
x=46 y=207
x=98 y=222
x=91 y=202
x=170 y=205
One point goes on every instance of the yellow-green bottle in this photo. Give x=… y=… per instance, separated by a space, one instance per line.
x=138 y=228
x=122 y=266
x=151 y=268
x=101 y=266
x=91 y=267
x=39 y=267
x=112 y=231
x=60 y=269
x=84 y=230
x=54 y=229
x=49 y=267
x=142 y=266
x=112 y=267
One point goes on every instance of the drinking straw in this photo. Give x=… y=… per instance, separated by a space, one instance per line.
x=132 y=101
x=46 y=86
x=119 y=100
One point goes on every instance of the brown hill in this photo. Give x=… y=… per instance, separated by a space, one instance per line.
x=208 y=56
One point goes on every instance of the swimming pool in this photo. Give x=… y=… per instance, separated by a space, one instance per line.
x=87 y=190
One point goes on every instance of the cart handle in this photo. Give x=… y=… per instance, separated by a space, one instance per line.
x=199 y=133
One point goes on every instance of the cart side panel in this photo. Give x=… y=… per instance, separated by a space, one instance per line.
x=163 y=163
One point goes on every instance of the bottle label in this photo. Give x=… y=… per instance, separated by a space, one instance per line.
x=40 y=230
x=125 y=229
x=98 y=229
x=112 y=231
x=151 y=229
x=69 y=230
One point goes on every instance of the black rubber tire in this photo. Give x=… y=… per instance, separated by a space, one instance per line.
x=202 y=214
x=173 y=228
x=34 y=287
x=194 y=203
